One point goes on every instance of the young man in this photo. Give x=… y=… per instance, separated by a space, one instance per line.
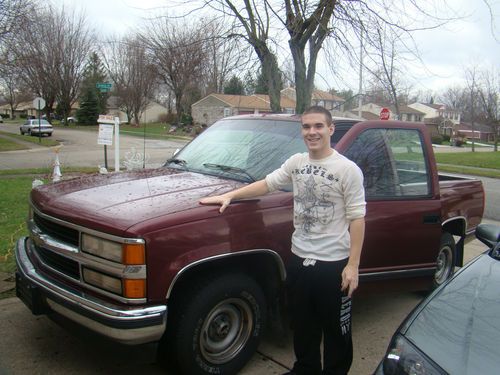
x=329 y=210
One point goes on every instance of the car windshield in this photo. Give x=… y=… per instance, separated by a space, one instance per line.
x=242 y=149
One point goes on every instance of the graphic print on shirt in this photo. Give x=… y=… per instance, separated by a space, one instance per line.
x=314 y=204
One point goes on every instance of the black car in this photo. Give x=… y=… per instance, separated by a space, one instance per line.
x=456 y=329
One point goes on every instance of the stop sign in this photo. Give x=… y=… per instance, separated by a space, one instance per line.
x=385 y=114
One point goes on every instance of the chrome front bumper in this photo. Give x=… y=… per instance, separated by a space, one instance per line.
x=128 y=325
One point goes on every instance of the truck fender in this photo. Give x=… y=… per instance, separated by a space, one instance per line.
x=242 y=257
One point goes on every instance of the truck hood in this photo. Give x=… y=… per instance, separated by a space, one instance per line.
x=118 y=201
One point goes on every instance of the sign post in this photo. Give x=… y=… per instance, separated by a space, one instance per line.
x=105 y=137
x=385 y=114
x=40 y=104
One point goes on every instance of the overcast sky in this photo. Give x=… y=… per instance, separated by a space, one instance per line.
x=446 y=52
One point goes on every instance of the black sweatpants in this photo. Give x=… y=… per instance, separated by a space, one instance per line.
x=319 y=309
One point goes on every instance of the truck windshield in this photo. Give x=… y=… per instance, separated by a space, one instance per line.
x=241 y=149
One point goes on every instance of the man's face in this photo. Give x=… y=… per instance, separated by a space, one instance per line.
x=316 y=133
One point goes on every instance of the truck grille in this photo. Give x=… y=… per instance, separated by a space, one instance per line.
x=59 y=263
x=57 y=231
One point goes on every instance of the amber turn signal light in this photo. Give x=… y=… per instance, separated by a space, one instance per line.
x=134 y=254
x=134 y=288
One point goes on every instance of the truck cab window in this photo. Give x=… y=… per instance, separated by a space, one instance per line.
x=393 y=163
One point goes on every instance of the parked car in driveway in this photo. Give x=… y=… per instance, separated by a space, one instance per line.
x=36 y=127
x=456 y=330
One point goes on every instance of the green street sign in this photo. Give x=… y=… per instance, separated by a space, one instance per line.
x=104 y=87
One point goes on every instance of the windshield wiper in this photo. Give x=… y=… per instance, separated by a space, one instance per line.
x=228 y=168
x=177 y=161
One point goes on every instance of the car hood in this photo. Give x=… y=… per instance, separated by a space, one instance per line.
x=117 y=201
x=460 y=327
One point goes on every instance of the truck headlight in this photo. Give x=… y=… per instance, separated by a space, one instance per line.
x=102 y=281
x=125 y=253
x=404 y=358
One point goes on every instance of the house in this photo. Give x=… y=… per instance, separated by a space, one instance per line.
x=319 y=98
x=481 y=132
x=406 y=112
x=447 y=115
x=152 y=112
x=26 y=109
x=216 y=106
x=22 y=109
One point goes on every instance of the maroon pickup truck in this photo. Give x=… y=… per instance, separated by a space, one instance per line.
x=135 y=257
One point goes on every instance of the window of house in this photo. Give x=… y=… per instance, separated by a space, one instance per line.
x=227 y=112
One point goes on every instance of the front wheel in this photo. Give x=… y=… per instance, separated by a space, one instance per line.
x=216 y=329
x=445 y=262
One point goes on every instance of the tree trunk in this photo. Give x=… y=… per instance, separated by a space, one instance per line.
x=272 y=73
x=304 y=76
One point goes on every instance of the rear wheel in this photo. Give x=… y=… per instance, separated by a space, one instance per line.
x=445 y=262
x=217 y=327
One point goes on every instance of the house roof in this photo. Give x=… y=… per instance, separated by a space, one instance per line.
x=261 y=102
x=402 y=108
x=367 y=115
x=323 y=95
x=406 y=109
x=477 y=127
x=440 y=107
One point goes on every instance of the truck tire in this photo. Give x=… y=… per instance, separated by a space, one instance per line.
x=216 y=329
x=445 y=262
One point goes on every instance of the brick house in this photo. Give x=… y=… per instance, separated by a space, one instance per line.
x=216 y=106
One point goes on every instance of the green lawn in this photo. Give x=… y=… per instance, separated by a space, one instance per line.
x=14 y=194
x=472 y=159
x=45 y=141
x=150 y=130
x=8 y=145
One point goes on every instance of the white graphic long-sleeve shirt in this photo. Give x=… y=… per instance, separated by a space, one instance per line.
x=328 y=194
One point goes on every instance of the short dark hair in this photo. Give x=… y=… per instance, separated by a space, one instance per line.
x=322 y=110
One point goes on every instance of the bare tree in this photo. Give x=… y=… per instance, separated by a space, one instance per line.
x=471 y=76
x=488 y=90
x=11 y=85
x=13 y=15
x=385 y=57
x=254 y=18
x=133 y=74
x=225 y=55
x=51 y=52
x=308 y=25
x=455 y=98
x=180 y=55
x=74 y=47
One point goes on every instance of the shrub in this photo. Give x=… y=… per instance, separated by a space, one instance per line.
x=437 y=139
x=167 y=118
x=446 y=137
x=186 y=119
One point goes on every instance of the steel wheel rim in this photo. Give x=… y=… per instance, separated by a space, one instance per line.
x=226 y=330
x=444 y=264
